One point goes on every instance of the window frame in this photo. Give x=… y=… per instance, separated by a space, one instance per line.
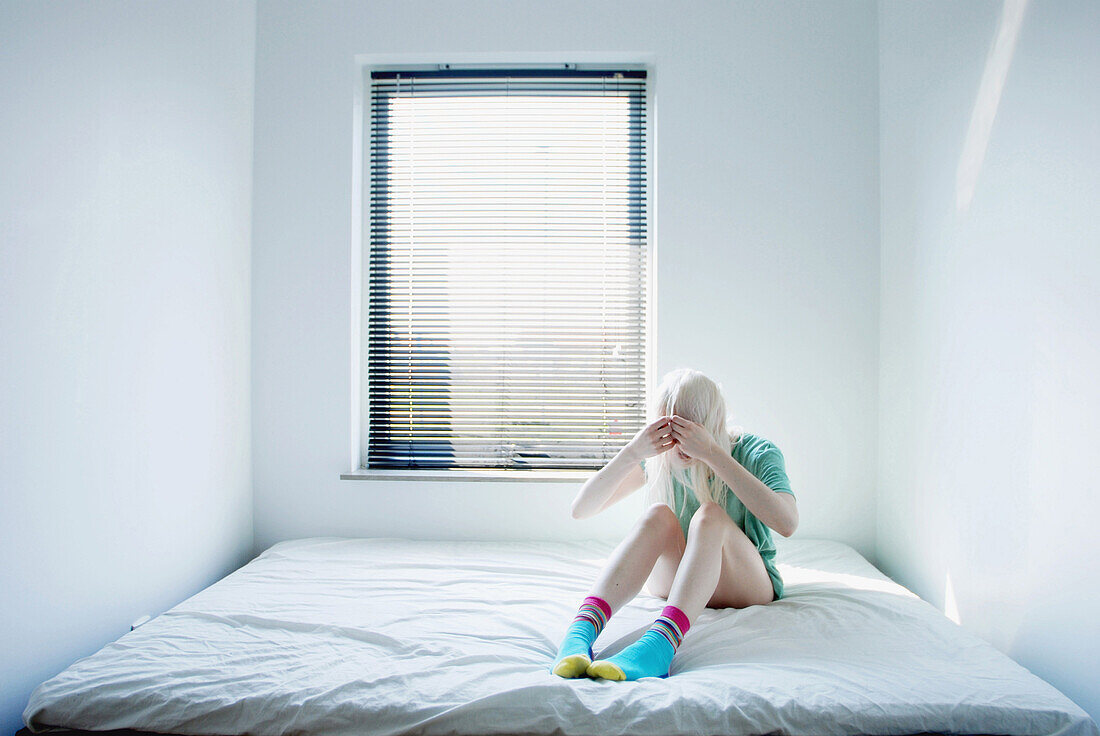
x=360 y=248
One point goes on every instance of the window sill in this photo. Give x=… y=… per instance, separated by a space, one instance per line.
x=513 y=476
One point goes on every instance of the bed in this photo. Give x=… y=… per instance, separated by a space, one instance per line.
x=392 y=636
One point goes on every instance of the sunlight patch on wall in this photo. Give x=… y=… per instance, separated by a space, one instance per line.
x=950 y=606
x=987 y=102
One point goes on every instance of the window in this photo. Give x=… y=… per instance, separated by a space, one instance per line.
x=505 y=275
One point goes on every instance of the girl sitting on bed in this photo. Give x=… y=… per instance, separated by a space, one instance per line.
x=710 y=547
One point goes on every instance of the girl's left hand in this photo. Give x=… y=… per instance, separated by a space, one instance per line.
x=693 y=439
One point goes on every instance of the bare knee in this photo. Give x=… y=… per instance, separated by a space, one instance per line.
x=709 y=519
x=661 y=519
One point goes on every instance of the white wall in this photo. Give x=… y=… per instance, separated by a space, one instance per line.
x=767 y=186
x=990 y=404
x=125 y=197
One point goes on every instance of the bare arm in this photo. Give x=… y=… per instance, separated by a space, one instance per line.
x=623 y=475
x=612 y=483
x=776 y=509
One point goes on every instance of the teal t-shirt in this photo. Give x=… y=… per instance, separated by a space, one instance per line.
x=764 y=460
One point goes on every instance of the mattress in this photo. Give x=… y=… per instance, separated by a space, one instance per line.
x=392 y=636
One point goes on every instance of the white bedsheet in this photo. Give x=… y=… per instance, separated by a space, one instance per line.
x=390 y=636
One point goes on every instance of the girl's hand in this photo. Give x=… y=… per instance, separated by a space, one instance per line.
x=653 y=439
x=693 y=439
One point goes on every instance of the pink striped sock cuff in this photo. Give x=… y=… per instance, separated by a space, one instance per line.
x=678 y=617
x=669 y=630
x=595 y=610
x=603 y=605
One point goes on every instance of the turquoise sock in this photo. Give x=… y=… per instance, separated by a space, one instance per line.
x=578 y=640
x=651 y=655
x=575 y=653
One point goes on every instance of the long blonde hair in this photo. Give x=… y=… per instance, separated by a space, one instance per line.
x=696 y=397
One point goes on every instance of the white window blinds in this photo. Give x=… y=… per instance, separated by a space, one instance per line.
x=506 y=277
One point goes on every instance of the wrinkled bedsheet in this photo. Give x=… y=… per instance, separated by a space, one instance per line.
x=391 y=636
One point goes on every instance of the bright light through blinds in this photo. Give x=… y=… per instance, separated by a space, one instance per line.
x=507 y=284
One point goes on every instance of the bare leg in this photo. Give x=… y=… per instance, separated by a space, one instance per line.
x=721 y=567
x=630 y=564
x=655 y=534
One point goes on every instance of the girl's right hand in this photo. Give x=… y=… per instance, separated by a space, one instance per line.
x=653 y=439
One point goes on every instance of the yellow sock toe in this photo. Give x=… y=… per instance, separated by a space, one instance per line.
x=574 y=665
x=606 y=670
